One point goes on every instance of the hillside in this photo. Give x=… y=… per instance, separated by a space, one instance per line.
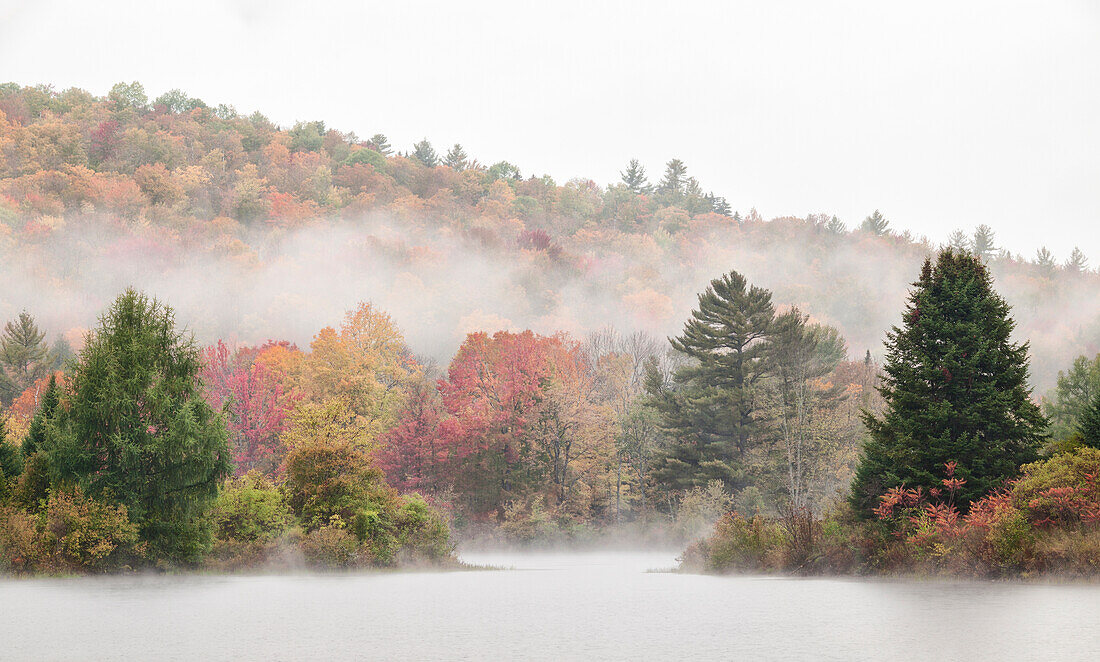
x=254 y=231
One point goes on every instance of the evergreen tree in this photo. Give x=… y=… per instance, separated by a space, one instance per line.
x=138 y=431
x=983 y=245
x=708 y=410
x=958 y=241
x=1075 y=391
x=425 y=153
x=876 y=224
x=694 y=193
x=1044 y=259
x=719 y=205
x=675 y=178
x=456 y=158
x=11 y=463
x=635 y=179
x=955 y=387
x=60 y=353
x=504 y=170
x=23 y=353
x=835 y=226
x=36 y=434
x=379 y=143
x=1077 y=262
x=1088 y=426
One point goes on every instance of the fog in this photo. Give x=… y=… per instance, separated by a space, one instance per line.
x=251 y=284
x=545 y=607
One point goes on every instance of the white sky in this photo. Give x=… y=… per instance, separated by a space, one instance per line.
x=943 y=115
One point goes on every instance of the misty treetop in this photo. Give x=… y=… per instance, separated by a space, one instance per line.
x=124 y=185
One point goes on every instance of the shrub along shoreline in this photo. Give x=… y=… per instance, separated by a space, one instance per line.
x=1045 y=523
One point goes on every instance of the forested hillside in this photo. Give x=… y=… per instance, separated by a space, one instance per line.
x=373 y=326
x=256 y=231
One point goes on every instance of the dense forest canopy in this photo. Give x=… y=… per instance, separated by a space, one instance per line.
x=255 y=231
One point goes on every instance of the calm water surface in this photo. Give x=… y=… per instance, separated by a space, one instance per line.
x=548 y=607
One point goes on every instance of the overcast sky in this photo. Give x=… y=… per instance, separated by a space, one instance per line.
x=942 y=115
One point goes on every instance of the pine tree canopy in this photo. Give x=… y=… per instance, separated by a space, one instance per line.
x=955 y=387
x=456 y=158
x=379 y=143
x=635 y=178
x=23 y=349
x=675 y=177
x=876 y=224
x=708 y=409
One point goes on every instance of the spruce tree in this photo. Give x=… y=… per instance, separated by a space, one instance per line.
x=1075 y=391
x=137 y=430
x=708 y=409
x=425 y=153
x=955 y=386
x=36 y=435
x=11 y=463
x=1088 y=426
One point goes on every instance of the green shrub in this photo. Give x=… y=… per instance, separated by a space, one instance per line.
x=250 y=509
x=1012 y=539
x=330 y=546
x=82 y=533
x=738 y=543
x=422 y=533
x=20 y=542
x=250 y=519
x=1063 y=490
x=33 y=488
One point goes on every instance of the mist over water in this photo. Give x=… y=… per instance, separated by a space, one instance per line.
x=548 y=606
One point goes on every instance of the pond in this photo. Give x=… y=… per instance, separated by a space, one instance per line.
x=548 y=606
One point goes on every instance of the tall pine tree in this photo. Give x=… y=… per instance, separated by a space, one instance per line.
x=635 y=179
x=23 y=351
x=708 y=409
x=955 y=386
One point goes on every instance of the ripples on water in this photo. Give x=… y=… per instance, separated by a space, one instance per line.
x=549 y=607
